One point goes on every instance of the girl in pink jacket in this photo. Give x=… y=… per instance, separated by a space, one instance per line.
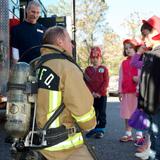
x=127 y=87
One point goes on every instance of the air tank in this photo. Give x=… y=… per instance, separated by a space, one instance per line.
x=18 y=109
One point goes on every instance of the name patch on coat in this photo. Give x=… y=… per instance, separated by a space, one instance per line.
x=47 y=79
x=101 y=70
x=39 y=30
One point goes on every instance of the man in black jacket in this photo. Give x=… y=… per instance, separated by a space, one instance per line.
x=27 y=34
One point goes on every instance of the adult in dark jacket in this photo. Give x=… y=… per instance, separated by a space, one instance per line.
x=27 y=34
x=149 y=99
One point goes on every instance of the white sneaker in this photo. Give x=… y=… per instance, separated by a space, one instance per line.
x=143 y=155
x=146 y=154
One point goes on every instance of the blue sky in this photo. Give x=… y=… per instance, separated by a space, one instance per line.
x=48 y=2
x=119 y=10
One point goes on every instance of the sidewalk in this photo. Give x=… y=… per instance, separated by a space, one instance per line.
x=112 y=99
x=109 y=147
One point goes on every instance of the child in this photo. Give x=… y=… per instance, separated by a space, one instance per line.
x=97 y=81
x=137 y=62
x=127 y=87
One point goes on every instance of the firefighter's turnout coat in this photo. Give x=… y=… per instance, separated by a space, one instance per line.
x=61 y=81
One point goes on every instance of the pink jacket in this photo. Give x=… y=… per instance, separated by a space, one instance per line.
x=127 y=85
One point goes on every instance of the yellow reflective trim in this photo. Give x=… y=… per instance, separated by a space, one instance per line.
x=72 y=141
x=55 y=98
x=86 y=117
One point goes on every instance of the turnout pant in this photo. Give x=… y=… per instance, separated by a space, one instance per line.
x=81 y=153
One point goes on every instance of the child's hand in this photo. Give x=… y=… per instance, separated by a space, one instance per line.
x=141 y=50
x=93 y=93
x=98 y=95
x=120 y=97
x=135 y=79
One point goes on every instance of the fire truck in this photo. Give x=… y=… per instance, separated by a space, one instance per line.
x=12 y=12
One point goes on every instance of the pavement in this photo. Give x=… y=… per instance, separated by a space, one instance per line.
x=4 y=147
x=107 y=148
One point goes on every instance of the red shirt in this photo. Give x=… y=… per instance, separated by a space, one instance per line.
x=97 y=79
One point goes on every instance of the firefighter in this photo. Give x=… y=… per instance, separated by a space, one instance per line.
x=59 y=80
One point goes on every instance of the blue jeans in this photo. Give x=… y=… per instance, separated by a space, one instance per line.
x=154 y=132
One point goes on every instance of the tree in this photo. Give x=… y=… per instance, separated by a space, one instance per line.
x=91 y=19
x=62 y=8
x=91 y=24
x=112 y=52
x=132 y=24
x=92 y=29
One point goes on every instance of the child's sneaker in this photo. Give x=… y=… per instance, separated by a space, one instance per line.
x=146 y=144
x=143 y=155
x=91 y=133
x=126 y=138
x=99 y=135
x=139 y=141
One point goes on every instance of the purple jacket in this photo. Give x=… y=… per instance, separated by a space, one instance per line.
x=136 y=62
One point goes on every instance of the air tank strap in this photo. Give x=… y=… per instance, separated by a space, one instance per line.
x=50 y=137
x=28 y=87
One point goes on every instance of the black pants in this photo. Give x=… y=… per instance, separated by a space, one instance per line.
x=100 y=105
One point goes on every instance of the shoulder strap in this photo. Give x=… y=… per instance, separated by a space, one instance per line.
x=54 y=116
x=48 y=57
x=60 y=55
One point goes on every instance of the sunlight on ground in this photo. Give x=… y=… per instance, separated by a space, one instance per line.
x=112 y=99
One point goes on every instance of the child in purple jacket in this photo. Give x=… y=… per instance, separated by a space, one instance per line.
x=137 y=62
